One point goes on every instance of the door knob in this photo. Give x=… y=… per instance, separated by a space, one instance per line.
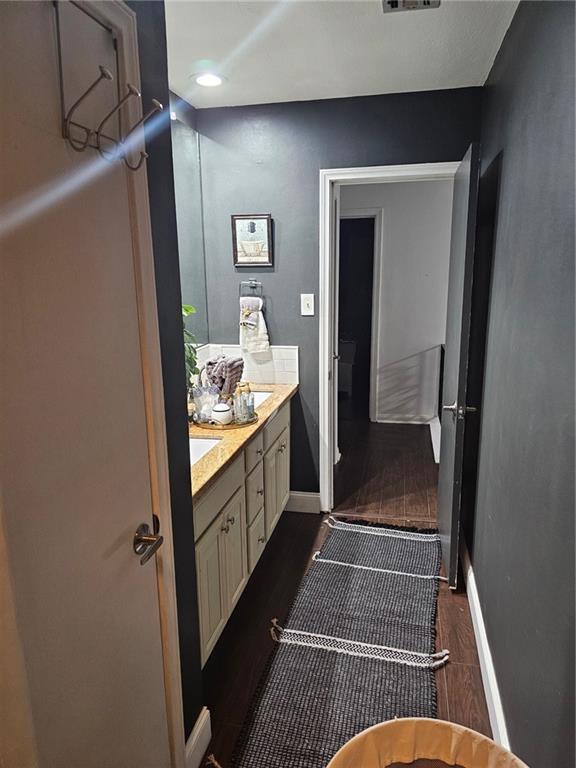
x=146 y=543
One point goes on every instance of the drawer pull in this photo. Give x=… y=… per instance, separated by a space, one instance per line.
x=225 y=528
x=260 y=491
x=282 y=448
x=262 y=540
x=231 y=520
x=259 y=452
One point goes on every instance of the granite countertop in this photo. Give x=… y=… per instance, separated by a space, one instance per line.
x=232 y=441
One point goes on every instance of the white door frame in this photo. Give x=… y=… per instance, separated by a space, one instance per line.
x=331 y=179
x=123 y=20
x=378 y=215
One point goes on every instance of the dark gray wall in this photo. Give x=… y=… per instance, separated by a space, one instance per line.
x=524 y=529
x=188 y=193
x=266 y=159
x=154 y=76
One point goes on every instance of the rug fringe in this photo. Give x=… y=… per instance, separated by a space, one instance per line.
x=381 y=529
x=211 y=760
x=341 y=517
x=276 y=630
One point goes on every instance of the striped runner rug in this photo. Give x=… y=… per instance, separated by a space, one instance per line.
x=358 y=647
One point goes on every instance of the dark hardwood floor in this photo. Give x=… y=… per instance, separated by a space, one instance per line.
x=387 y=473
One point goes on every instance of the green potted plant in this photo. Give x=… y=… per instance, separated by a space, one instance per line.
x=190 y=358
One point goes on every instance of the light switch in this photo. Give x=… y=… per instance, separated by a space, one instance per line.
x=307 y=304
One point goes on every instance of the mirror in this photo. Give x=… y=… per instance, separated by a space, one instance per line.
x=188 y=193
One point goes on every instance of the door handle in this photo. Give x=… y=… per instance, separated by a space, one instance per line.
x=146 y=543
x=459 y=411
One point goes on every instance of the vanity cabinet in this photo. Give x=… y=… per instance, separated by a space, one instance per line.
x=234 y=520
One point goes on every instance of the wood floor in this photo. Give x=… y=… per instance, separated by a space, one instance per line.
x=387 y=473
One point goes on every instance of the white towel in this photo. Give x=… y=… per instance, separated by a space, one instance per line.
x=254 y=337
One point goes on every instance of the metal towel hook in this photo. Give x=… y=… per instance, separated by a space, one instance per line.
x=105 y=153
x=80 y=146
x=156 y=107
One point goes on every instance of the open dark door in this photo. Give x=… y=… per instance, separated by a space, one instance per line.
x=454 y=407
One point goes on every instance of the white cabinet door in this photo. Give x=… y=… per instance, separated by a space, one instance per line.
x=283 y=471
x=276 y=480
x=234 y=548
x=210 y=558
x=270 y=495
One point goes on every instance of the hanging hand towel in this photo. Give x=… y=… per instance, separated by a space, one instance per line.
x=249 y=308
x=253 y=331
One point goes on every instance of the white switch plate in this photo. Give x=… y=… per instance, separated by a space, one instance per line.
x=307 y=304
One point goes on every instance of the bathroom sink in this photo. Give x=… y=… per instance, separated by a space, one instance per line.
x=199 y=447
x=260 y=397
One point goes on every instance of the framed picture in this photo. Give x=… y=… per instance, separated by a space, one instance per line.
x=252 y=240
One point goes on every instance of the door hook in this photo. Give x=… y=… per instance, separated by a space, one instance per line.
x=80 y=146
x=127 y=140
x=104 y=152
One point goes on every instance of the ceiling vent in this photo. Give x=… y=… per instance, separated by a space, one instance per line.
x=392 y=6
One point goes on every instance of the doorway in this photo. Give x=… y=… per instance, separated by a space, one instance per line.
x=333 y=184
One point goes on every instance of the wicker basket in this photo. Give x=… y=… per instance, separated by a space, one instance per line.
x=408 y=740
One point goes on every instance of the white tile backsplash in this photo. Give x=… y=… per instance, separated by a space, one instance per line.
x=278 y=366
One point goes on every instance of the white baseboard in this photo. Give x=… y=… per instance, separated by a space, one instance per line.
x=491 y=691
x=304 y=501
x=435 y=431
x=199 y=739
x=386 y=418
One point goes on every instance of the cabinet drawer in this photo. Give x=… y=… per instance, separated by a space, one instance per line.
x=211 y=502
x=256 y=540
x=254 y=492
x=254 y=452
x=276 y=426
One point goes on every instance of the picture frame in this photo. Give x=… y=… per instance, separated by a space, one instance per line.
x=252 y=244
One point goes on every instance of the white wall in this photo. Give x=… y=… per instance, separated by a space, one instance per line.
x=412 y=295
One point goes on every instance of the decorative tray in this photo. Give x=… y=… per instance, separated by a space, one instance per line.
x=208 y=425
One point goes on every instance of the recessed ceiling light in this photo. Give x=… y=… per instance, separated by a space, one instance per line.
x=208 y=80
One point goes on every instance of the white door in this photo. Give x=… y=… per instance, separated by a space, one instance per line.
x=75 y=469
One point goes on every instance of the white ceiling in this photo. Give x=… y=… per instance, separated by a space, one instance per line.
x=296 y=50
